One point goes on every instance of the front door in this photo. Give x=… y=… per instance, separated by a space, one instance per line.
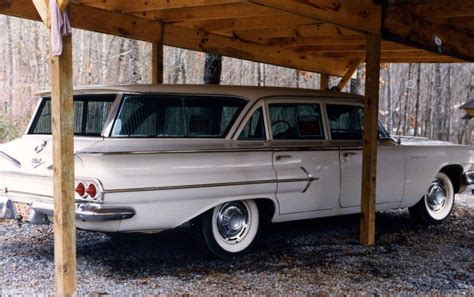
x=307 y=169
x=345 y=122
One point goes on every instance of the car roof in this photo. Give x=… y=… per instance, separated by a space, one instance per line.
x=249 y=92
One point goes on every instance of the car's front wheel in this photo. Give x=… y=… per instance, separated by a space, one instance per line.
x=436 y=204
x=230 y=229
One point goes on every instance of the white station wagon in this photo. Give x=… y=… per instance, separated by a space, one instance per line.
x=150 y=158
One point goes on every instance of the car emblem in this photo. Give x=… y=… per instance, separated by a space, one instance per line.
x=35 y=162
x=41 y=147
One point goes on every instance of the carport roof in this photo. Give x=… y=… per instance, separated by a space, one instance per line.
x=323 y=36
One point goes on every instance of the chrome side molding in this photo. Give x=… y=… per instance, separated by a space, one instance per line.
x=10 y=159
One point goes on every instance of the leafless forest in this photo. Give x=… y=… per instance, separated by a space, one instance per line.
x=416 y=99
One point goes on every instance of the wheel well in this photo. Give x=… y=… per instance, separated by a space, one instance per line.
x=454 y=172
x=266 y=208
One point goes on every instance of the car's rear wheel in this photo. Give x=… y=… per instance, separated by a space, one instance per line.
x=230 y=229
x=437 y=204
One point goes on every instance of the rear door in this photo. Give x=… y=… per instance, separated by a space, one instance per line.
x=307 y=169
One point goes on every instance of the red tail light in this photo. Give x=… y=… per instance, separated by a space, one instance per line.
x=81 y=189
x=91 y=190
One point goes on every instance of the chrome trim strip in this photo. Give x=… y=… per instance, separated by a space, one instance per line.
x=230 y=150
x=89 y=212
x=210 y=185
x=310 y=179
x=10 y=159
x=40 y=196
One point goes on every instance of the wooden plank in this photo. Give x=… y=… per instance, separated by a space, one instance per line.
x=323 y=81
x=355 y=14
x=157 y=63
x=399 y=25
x=441 y=9
x=294 y=31
x=234 y=47
x=210 y=12
x=150 y=5
x=352 y=69
x=63 y=175
x=311 y=40
x=276 y=20
x=369 y=154
x=109 y=22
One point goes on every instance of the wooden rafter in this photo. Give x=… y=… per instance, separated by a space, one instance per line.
x=400 y=25
x=109 y=22
x=151 y=5
x=354 y=14
x=276 y=20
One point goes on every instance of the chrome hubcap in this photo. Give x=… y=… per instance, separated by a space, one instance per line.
x=436 y=196
x=233 y=221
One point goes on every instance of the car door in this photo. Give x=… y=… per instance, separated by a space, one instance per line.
x=307 y=169
x=345 y=122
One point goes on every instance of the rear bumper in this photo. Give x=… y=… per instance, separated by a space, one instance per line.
x=88 y=212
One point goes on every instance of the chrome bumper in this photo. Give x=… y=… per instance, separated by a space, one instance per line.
x=88 y=212
x=468 y=178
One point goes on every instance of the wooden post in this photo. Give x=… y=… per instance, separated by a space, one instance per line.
x=63 y=176
x=369 y=161
x=324 y=81
x=157 y=63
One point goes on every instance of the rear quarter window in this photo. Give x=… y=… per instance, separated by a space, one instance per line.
x=90 y=115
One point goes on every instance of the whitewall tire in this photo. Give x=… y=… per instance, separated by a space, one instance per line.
x=230 y=229
x=437 y=204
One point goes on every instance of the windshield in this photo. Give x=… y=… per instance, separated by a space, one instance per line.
x=167 y=116
x=90 y=115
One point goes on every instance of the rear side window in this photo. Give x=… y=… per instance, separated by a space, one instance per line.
x=345 y=121
x=176 y=116
x=296 y=121
x=90 y=115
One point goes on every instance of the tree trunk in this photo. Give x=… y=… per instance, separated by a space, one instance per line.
x=418 y=93
x=212 y=69
x=389 y=100
x=437 y=116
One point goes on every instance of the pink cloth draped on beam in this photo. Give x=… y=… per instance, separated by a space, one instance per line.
x=60 y=27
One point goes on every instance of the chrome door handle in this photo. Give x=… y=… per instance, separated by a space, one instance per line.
x=347 y=154
x=279 y=157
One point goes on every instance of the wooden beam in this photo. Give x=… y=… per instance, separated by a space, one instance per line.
x=323 y=81
x=352 y=69
x=210 y=12
x=313 y=30
x=369 y=155
x=360 y=15
x=147 y=5
x=157 y=63
x=441 y=9
x=109 y=22
x=276 y=20
x=402 y=26
x=234 y=47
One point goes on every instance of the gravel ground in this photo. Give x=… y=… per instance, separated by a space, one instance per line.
x=309 y=257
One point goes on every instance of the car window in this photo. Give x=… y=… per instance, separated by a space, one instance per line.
x=90 y=115
x=345 y=121
x=296 y=121
x=176 y=116
x=255 y=127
